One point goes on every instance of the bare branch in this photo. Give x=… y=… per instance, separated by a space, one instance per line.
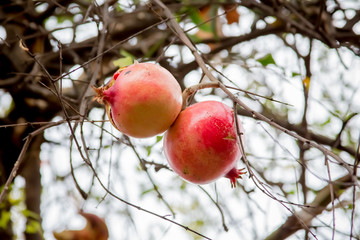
x=317 y=206
x=20 y=158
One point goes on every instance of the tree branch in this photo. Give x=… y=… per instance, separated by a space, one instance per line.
x=322 y=199
x=21 y=158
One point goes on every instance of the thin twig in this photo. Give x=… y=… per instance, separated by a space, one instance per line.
x=331 y=196
x=83 y=194
x=180 y=33
x=218 y=207
x=259 y=184
x=356 y=162
x=160 y=196
x=16 y=167
x=140 y=208
x=294 y=135
x=21 y=156
x=110 y=49
x=53 y=82
x=188 y=92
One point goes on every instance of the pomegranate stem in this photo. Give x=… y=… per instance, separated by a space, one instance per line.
x=191 y=90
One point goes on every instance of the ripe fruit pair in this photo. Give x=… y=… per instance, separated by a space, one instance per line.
x=201 y=142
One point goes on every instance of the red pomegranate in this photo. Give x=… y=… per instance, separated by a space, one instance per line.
x=142 y=100
x=202 y=145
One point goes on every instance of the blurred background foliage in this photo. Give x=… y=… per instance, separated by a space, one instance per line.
x=295 y=62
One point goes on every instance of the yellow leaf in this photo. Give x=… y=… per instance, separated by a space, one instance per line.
x=306 y=82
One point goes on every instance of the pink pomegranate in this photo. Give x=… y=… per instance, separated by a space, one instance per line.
x=142 y=100
x=202 y=146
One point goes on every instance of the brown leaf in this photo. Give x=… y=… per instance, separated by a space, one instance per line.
x=232 y=16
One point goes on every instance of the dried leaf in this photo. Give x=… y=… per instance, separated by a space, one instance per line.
x=232 y=16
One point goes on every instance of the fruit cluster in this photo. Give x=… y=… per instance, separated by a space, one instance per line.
x=201 y=142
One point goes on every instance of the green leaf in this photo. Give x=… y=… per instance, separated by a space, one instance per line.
x=33 y=227
x=63 y=18
x=213 y=13
x=292 y=192
x=158 y=138
x=118 y=8
x=196 y=18
x=148 y=149
x=266 y=60
x=4 y=219
x=326 y=122
x=295 y=74
x=16 y=201
x=126 y=54
x=123 y=62
x=147 y=191
x=27 y=213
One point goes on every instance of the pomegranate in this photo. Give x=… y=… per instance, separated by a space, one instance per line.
x=202 y=145
x=142 y=100
x=95 y=229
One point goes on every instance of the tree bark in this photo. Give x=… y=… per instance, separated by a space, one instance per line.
x=31 y=174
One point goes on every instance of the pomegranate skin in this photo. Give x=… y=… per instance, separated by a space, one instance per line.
x=201 y=145
x=144 y=100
